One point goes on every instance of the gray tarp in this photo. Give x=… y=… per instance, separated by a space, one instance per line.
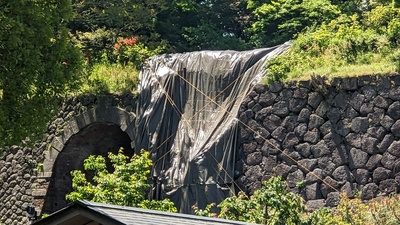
x=186 y=118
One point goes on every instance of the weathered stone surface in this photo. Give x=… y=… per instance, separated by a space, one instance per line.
x=314 y=98
x=356 y=100
x=304 y=149
x=290 y=141
x=308 y=164
x=357 y=158
x=249 y=147
x=290 y=123
x=359 y=124
x=282 y=170
x=369 y=145
x=377 y=132
x=362 y=176
x=312 y=136
x=300 y=93
x=315 y=204
x=322 y=109
x=394 y=110
x=341 y=100
x=266 y=99
x=353 y=140
x=394 y=93
x=325 y=163
x=380 y=174
x=385 y=143
x=312 y=191
x=343 y=127
x=281 y=109
x=351 y=113
x=300 y=130
x=394 y=148
x=294 y=177
x=315 y=121
x=272 y=122
x=342 y=173
x=388 y=160
x=387 y=122
x=316 y=175
x=332 y=199
x=388 y=186
x=373 y=162
x=304 y=115
x=326 y=128
x=366 y=108
x=381 y=102
x=279 y=133
x=329 y=185
x=340 y=155
x=334 y=115
x=296 y=104
x=395 y=129
x=369 y=191
x=254 y=158
x=320 y=149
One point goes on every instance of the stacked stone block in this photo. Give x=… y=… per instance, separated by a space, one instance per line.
x=322 y=138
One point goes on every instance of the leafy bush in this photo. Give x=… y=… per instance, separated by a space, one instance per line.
x=130 y=51
x=272 y=203
x=369 y=39
x=110 y=78
x=127 y=185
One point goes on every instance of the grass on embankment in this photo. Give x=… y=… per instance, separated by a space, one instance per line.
x=110 y=78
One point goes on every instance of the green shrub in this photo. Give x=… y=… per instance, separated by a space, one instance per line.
x=110 y=78
x=126 y=185
x=272 y=204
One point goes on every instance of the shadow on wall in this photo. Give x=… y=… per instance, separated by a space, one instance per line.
x=94 y=139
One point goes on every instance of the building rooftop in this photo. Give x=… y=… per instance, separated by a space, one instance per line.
x=93 y=213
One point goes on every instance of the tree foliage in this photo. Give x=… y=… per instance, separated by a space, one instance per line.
x=356 y=39
x=275 y=22
x=271 y=204
x=38 y=65
x=126 y=185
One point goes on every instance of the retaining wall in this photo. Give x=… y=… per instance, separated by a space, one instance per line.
x=323 y=137
x=346 y=132
x=25 y=172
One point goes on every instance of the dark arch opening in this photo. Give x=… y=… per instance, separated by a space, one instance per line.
x=94 y=139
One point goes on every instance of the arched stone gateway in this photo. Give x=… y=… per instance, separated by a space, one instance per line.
x=95 y=132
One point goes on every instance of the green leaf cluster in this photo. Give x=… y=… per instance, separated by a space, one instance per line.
x=357 y=39
x=271 y=204
x=126 y=185
x=39 y=65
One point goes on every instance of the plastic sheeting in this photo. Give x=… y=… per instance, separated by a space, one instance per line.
x=186 y=118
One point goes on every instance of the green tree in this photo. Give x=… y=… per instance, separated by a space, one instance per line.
x=191 y=25
x=274 y=22
x=38 y=65
x=97 y=24
x=271 y=204
x=127 y=185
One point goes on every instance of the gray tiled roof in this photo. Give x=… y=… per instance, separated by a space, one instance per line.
x=85 y=212
x=133 y=216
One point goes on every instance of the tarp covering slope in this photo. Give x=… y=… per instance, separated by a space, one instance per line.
x=186 y=118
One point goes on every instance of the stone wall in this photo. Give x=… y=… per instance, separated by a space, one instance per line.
x=323 y=138
x=26 y=172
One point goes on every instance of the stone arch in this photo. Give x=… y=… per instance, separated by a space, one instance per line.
x=97 y=131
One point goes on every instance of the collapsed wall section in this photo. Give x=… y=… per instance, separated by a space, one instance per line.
x=186 y=118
